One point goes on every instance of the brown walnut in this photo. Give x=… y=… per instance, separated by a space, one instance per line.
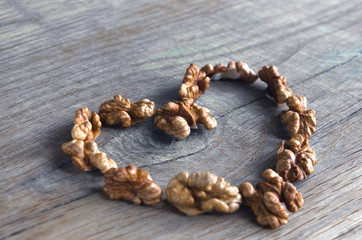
x=86 y=125
x=131 y=184
x=196 y=193
x=75 y=148
x=177 y=118
x=276 y=84
x=297 y=119
x=121 y=111
x=295 y=160
x=266 y=199
x=86 y=156
x=194 y=84
x=238 y=70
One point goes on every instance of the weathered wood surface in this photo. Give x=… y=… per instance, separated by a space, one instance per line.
x=58 y=56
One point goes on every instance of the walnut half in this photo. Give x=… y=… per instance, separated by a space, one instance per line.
x=297 y=119
x=194 y=84
x=80 y=155
x=266 y=199
x=238 y=70
x=295 y=160
x=121 y=111
x=196 y=193
x=276 y=84
x=177 y=118
x=86 y=125
x=131 y=184
x=86 y=156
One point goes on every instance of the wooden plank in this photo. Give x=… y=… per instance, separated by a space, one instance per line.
x=59 y=56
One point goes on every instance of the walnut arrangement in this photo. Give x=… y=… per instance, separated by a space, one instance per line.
x=196 y=193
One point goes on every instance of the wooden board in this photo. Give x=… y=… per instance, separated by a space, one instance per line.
x=58 y=56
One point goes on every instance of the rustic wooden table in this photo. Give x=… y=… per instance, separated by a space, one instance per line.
x=58 y=56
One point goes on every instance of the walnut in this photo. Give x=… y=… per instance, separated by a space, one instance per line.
x=266 y=199
x=297 y=119
x=121 y=111
x=196 y=193
x=276 y=84
x=75 y=148
x=296 y=160
x=86 y=125
x=132 y=184
x=100 y=161
x=176 y=118
x=194 y=84
x=86 y=156
x=238 y=70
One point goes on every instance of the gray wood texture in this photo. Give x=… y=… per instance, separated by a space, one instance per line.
x=58 y=56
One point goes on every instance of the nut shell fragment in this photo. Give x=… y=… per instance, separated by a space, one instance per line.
x=177 y=118
x=266 y=199
x=130 y=183
x=196 y=193
x=121 y=111
x=276 y=84
x=238 y=70
x=194 y=84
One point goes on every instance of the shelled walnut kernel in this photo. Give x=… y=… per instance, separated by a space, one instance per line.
x=121 y=111
x=75 y=149
x=276 y=84
x=295 y=160
x=297 y=119
x=86 y=125
x=266 y=199
x=86 y=156
x=177 y=118
x=194 y=84
x=238 y=70
x=196 y=193
x=131 y=184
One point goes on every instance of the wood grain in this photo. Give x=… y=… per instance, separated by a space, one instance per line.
x=58 y=56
